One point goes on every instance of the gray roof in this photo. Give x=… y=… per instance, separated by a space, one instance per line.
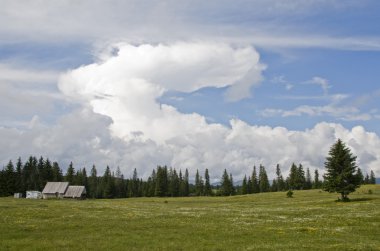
x=56 y=187
x=75 y=191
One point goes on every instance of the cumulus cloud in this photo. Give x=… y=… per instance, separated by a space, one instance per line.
x=126 y=86
x=119 y=94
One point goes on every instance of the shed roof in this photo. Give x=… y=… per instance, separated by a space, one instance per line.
x=75 y=191
x=56 y=187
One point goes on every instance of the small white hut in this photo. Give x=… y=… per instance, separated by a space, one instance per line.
x=17 y=195
x=33 y=195
x=55 y=190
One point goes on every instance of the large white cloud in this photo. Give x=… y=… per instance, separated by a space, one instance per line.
x=124 y=86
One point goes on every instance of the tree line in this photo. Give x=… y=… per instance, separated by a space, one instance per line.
x=163 y=181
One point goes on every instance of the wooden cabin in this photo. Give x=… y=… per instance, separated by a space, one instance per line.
x=75 y=192
x=55 y=190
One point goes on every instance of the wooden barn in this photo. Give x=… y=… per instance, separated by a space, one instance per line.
x=75 y=192
x=55 y=190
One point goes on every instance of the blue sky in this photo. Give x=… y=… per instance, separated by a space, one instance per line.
x=316 y=70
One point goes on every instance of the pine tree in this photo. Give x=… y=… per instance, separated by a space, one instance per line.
x=244 y=186
x=293 y=177
x=366 y=179
x=57 y=175
x=10 y=179
x=207 y=190
x=249 y=185
x=30 y=174
x=301 y=179
x=372 y=178
x=186 y=183
x=225 y=184
x=308 y=183
x=70 y=174
x=134 y=185
x=198 y=184
x=232 y=187
x=48 y=172
x=161 y=182
x=280 y=180
x=255 y=182
x=41 y=174
x=316 y=183
x=341 y=171
x=360 y=176
x=263 y=180
x=108 y=184
x=274 y=186
x=174 y=183
x=19 y=186
x=93 y=183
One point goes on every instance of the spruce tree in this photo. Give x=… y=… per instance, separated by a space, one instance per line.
x=244 y=186
x=301 y=179
x=263 y=180
x=93 y=183
x=232 y=186
x=366 y=179
x=186 y=183
x=341 y=171
x=280 y=180
x=207 y=190
x=255 y=182
x=10 y=179
x=372 y=178
x=225 y=186
x=198 y=184
x=70 y=174
x=316 y=183
x=308 y=183
x=249 y=185
x=57 y=175
x=360 y=176
x=19 y=184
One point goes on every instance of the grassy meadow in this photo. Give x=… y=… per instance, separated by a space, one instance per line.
x=312 y=220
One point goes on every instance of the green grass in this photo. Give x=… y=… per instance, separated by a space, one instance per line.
x=312 y=220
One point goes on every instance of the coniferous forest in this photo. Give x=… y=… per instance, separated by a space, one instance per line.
x=35 y=172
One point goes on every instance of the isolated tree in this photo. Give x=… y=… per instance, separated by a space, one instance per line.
x=341 y=171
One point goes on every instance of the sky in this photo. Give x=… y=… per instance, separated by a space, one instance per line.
x=190 y=84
